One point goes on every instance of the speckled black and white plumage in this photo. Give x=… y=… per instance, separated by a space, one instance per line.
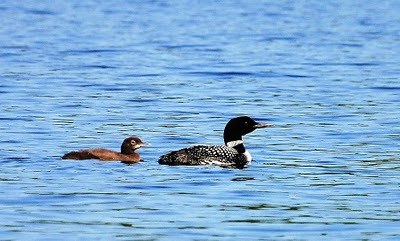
x=232 y=154
x=223 y=156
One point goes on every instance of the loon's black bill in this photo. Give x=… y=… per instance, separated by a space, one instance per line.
x=262 y=125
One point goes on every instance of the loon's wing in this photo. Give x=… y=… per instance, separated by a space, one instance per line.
x=80 y=155
x=204 y=155
x=97 y=153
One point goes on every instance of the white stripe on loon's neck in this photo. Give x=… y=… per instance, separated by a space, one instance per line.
x=237 y=144
x=234 y=143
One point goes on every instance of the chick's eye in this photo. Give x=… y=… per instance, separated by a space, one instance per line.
x=246 y=123
x=133 y=142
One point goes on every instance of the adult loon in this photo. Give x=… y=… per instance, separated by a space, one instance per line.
x=232 y=154
x=127 y=155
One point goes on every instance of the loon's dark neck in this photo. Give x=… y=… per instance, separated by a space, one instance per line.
x=234 y=141
x=126 y=149
x=240 y=148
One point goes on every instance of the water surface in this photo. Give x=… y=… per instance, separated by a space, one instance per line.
x=88 y=74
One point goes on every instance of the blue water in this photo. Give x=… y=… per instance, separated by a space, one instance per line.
x=85 y=74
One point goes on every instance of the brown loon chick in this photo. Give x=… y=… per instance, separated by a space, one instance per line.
x=128 y=154
x=232 y=154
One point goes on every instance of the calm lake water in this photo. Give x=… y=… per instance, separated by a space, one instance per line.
x=85 y=74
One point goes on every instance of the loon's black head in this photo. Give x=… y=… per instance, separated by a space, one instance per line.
x=240 y=126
